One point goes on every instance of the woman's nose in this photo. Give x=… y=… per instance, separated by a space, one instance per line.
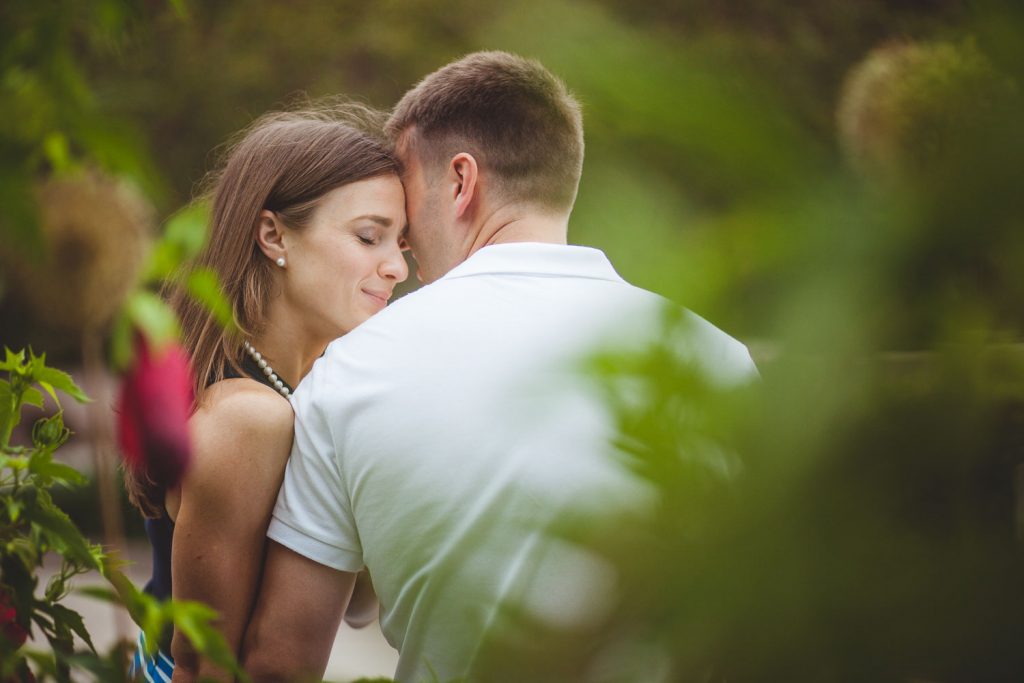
x=394 y=266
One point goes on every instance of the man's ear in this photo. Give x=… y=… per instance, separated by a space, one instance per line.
x=465 y=175
x=270 y=236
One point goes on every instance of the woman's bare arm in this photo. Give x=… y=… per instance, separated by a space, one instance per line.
x=242 y=437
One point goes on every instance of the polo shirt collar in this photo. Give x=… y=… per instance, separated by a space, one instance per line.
x=536 y=258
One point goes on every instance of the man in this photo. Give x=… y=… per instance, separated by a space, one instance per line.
x=437 y=444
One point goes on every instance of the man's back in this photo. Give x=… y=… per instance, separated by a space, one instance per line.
x=442 y=439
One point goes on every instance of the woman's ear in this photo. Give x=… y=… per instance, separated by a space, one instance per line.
x=464 y=174
x=270 y=237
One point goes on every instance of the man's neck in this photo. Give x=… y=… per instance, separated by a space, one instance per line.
x=509 y=225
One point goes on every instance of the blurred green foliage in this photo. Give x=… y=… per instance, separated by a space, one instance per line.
x=170 y=82
x=52 y=119
x=75 y=232
x=32 y=526
x=870 y=524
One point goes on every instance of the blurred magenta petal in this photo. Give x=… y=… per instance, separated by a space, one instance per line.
x=153 y=411
x=12 y=631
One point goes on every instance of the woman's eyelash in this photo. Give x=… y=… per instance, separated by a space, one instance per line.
x=367 y=240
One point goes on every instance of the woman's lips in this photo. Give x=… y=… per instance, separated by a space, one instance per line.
x=378 y=296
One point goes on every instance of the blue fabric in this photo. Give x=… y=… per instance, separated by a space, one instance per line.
x=161 y=535
x=155 y=669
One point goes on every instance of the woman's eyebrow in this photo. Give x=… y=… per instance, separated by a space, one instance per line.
x=381 y=220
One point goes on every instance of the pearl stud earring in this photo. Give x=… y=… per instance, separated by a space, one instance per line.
x=280 y=261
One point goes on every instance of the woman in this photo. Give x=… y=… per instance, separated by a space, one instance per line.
x=306 y=237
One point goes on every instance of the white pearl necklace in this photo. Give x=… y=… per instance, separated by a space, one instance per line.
x=267 y=370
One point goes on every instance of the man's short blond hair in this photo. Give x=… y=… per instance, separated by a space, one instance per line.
x=519 y=122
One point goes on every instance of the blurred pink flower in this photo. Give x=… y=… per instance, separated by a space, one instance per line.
x=153 y=411
x=12 y=631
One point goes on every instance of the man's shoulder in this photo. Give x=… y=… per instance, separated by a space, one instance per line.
x=691 y=336
x=726 y=359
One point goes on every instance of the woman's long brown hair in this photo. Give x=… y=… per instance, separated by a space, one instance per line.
x=284 y=162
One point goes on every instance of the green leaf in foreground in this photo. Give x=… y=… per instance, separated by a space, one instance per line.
x=203 y=285
x=52 y=378
x=153 y=316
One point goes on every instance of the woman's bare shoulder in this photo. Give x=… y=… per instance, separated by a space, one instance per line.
x=241 y=438
x=241 y=420
x=245 y=403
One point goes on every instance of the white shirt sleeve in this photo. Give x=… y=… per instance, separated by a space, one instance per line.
x=313 y=515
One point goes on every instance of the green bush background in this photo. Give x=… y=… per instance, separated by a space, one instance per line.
x=874 y=531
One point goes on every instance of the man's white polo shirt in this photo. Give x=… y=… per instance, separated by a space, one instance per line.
x=439 y=441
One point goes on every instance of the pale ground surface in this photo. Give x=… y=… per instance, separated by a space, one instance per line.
x=356 y=654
